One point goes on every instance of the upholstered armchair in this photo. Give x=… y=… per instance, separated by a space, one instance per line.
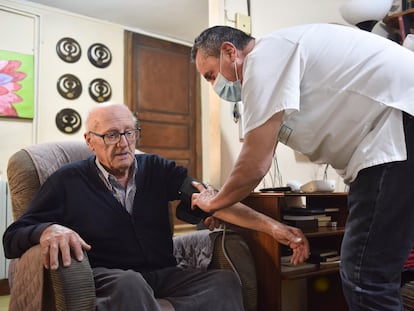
x=34 y=288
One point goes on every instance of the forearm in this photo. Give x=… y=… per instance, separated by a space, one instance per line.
x=246 y=217
x=251 y=166
x=246 y=175
x=243 y=216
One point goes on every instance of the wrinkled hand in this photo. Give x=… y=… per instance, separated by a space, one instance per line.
x=57 y=238
x=212 y=223
x=202 y=199
x=295 y=239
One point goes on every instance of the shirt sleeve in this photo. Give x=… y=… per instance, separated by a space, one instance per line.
x=271 y=80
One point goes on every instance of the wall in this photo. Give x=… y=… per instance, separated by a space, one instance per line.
x=35 y=30
x=220 y=134
x=266 y=16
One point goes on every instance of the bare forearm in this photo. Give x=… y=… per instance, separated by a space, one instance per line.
x=251 y=166
x=243 y=216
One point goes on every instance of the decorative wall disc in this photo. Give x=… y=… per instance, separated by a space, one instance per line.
x=68 y=50
x=100 y=90
x=68 y=121
x=69 y=86
x=99 y=55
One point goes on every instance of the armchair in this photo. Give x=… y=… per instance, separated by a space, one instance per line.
x=34 y=288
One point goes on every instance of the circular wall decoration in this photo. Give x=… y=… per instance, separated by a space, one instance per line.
x=99 y=55
x=68 y=121
x=69 y=86
x=68 y=50
x=100 y=90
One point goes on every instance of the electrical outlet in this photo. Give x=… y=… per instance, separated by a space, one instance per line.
x=243 y=23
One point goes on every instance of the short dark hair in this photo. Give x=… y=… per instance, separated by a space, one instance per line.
x=210 y=40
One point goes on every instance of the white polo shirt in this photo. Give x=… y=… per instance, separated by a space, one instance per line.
x=339 y=87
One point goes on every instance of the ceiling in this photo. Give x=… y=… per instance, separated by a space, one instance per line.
x=181 y=20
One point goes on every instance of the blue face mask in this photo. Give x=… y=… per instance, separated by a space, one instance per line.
x=228 y=90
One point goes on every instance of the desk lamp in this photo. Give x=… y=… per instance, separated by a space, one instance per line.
x=365 y=13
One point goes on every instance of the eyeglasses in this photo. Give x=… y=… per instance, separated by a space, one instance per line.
x=113 y=138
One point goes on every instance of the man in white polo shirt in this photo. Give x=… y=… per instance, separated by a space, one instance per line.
x=340 y=96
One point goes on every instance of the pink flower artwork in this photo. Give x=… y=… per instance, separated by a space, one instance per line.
x=9 y=84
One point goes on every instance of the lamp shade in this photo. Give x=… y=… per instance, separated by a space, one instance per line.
x=358 y=11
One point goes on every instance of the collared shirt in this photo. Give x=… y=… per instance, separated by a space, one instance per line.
x=342 y=97
x=125 y=196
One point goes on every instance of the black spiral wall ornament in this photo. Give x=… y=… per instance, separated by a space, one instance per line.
x=100 y=90
x=69 y=86
x=99 y=55
x=68 y=121
x=68 y=50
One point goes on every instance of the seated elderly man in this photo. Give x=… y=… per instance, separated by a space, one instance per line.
x=114 y=205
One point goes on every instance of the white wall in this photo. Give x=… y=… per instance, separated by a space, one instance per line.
x=269 y=15
x=42 y=28
x=220 y=134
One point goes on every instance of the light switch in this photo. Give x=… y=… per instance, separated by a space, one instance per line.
x=243 y=22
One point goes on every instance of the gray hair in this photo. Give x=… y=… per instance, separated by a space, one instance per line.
x=211 y=39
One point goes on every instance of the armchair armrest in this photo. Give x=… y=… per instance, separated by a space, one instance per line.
x=203 y=249
x=235 y=254
x=34 y=288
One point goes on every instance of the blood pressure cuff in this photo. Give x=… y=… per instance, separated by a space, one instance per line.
x=184 y=211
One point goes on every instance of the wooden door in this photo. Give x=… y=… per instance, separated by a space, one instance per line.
x=162 y=88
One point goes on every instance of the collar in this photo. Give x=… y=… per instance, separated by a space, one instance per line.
x=107 y=177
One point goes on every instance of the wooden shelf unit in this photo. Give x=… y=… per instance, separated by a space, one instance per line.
x=266 y=251
x=402 y=21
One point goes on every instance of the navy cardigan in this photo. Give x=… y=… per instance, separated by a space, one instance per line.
x=76 y=197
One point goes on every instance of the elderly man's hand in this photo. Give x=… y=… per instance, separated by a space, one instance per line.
x=57 y=238
x=295 y=239
x=212 y=223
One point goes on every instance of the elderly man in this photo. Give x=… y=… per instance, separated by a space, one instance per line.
x=114 y=205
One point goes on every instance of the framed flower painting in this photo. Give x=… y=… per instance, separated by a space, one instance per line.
x=16 y=85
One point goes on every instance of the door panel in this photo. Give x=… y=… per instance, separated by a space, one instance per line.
x=164 y=77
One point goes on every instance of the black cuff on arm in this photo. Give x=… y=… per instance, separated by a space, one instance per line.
x=184 y=211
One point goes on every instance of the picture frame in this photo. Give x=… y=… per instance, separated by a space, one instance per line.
x=16 y=85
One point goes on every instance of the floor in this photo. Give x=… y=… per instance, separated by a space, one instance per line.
x=4 y=303
x=4 y=292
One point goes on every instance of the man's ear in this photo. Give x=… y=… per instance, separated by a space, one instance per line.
x=87 y=137
x=228 y=49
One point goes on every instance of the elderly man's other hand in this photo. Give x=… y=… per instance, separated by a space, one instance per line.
x=57 y=238
x=212 y=223
x=295 y=239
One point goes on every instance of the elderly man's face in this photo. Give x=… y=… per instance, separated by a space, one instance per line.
x=116 y=158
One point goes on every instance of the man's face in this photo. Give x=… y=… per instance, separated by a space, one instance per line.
x=209 y=66
x=116 y=158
